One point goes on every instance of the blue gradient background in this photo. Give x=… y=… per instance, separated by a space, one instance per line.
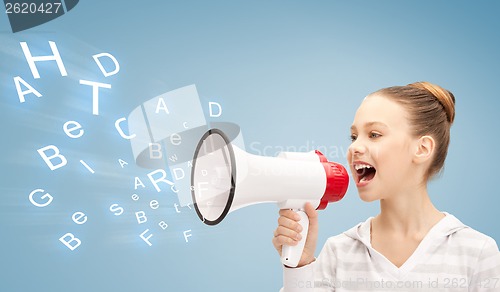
x=290 y=73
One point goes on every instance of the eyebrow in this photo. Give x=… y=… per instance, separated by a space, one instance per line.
x=369 y=124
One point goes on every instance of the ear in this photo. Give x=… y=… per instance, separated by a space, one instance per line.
x=424 y=150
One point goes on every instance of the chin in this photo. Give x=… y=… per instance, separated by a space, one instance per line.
x=367 y=196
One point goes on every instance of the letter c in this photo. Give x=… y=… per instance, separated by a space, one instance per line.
x=120 y=131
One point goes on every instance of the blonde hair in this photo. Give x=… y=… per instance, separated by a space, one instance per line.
x=431 y=110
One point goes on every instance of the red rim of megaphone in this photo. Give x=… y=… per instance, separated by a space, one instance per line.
x=337 y=181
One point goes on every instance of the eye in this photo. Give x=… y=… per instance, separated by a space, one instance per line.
x=374 y=135
x=353 y=137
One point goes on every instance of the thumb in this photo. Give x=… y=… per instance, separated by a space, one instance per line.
x=312 y=236
x=313 y=216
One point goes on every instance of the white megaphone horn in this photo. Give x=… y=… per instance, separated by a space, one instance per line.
x=225 y=178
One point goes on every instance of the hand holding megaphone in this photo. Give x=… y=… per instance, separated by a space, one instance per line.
x=225 y=178
x=290 y=232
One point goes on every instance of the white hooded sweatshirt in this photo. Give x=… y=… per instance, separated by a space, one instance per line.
x=451 y=257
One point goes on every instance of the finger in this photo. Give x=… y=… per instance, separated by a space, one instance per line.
x=283 y=231
x=312 y=233
x=289 y=223
x=281 y=240
x=311 y=213
x=289 y=214
x=277 y=246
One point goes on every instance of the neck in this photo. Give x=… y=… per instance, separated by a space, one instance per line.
x=408 y=213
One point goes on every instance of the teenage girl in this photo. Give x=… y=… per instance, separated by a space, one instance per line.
x=400 y=138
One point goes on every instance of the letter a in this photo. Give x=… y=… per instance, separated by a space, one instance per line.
x=138 y=182
x=122 y=162
x=21 y=93
x=161 y=106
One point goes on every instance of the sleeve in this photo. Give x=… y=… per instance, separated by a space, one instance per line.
x=319 y=276
x=486 y=275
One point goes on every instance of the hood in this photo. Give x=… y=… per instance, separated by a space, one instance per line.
x=445 y=227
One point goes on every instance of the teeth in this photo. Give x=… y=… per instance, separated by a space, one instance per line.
x=361 y=166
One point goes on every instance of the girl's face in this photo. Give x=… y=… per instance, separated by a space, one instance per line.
x=380 y=156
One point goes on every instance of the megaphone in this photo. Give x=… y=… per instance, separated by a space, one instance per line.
x=225 y=178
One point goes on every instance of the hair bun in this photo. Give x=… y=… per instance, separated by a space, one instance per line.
x=445 y=97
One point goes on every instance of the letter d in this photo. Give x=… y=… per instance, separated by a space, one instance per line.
x=219 y=109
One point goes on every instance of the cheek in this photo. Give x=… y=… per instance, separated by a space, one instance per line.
x=349 y=155
x=394 y=159
x=349 y=161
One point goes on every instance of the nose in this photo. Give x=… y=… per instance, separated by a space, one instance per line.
x=357 y=148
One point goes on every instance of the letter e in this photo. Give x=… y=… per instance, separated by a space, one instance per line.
x=79 y=218
x=69 y=130
x=175 y=139
x=154 y=204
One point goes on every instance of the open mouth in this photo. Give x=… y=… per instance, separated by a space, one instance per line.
x=364 y=172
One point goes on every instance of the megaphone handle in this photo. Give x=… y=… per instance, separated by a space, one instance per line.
x=290 y=255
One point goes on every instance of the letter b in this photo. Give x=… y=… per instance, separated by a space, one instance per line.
x=141 y=217
x=56 y=154
x=67 y=242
